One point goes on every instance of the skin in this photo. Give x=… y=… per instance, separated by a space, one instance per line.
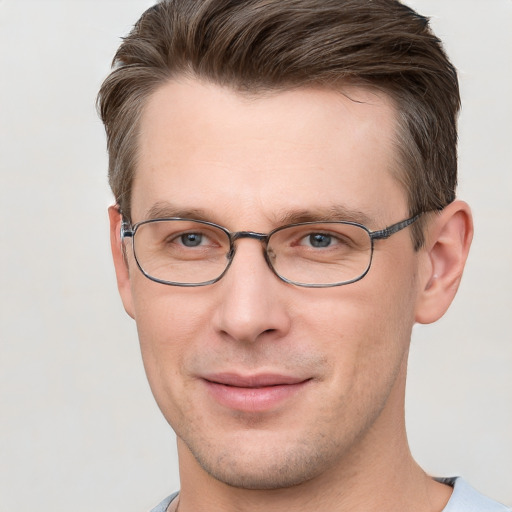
x=337 y=441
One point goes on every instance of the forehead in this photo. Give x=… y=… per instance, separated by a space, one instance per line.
x=206 y=146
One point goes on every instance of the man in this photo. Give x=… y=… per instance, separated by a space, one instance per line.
x=284 y=175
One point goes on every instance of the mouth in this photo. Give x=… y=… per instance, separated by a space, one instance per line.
x=253 y=393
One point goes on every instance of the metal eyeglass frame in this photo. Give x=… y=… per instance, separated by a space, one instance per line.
x=128 y=231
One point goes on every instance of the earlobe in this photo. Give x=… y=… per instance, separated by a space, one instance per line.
x=120 y=262
x=448 y=239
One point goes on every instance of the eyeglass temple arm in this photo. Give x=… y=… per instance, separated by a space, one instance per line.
x=126 y=230
x=394 y=228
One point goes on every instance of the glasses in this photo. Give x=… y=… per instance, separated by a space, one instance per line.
x=188 y=252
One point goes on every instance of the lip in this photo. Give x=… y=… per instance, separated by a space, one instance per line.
x=253 y=393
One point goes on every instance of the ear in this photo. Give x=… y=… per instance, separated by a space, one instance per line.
x=120 y=260
x=448 y=238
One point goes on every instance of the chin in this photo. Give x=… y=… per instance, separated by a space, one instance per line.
x=265 y=467
x=264 y=477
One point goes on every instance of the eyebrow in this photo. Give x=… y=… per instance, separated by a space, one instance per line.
x=164 y=209
x=329 y=213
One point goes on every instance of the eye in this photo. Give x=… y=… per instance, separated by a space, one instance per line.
x=318 y=240
x=204 y=239
x=191 y=239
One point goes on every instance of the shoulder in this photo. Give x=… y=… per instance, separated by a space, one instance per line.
x=162 y=506
x=466 y=499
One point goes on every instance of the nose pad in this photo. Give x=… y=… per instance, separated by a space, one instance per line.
x=250 y=303
x=270 y=258
x=231 y=254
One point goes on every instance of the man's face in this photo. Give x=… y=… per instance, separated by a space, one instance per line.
x=265 y=383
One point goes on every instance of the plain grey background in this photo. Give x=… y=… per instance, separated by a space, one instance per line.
x=78 y=427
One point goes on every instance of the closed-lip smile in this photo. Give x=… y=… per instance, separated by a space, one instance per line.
x=253 y=393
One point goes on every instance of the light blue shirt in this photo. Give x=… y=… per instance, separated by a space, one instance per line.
x=463 y=499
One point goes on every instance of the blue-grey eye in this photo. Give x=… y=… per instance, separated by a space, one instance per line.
x=320 y=240
x=191 y=239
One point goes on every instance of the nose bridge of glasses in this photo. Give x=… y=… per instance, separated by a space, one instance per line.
x=261 y=237
x=248 y=234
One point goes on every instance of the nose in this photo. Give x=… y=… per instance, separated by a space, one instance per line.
x=251 y=303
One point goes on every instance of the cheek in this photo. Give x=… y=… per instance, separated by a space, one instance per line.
x=366 y=348
x=169 y=323
x=168 y=327
x=364 y=329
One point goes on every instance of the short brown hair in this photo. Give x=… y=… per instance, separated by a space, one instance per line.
x=256 y=46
